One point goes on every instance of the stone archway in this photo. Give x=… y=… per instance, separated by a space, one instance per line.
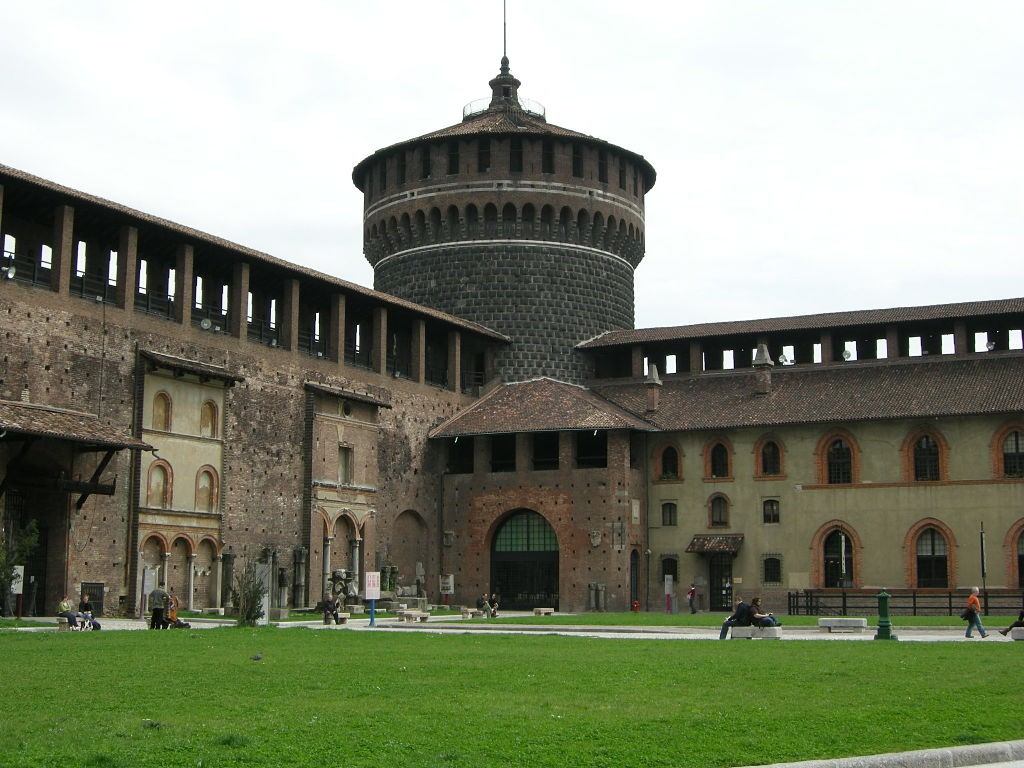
x=524 y=561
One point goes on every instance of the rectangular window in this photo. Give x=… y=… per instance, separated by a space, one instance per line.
x=383 y=175
x=460 y=456
x=515 y=155
x=545 y=451
x=577 y=160
x=344 y=465
x=453 y=157
x=772 y=569
x=400 y=164
x=592 y=449
x=770 y=511
x=483 y=154
x=670 y=567
x=425 y=169
x=503 y=453
x=622 y=174
x=547 y=156
x=668 y=513
x=602 y=166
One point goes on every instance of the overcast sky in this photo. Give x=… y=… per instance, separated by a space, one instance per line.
x=811 y=156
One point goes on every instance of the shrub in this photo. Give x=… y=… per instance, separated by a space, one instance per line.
x=247 y=594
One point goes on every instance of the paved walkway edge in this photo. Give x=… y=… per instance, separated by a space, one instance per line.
x=945 y=757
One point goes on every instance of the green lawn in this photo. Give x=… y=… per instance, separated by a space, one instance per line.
x=202 y=697
x=652 y=619
x=10 y=623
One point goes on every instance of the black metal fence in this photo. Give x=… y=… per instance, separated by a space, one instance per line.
x=904 y=602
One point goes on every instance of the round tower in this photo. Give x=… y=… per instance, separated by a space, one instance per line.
x=509 y=221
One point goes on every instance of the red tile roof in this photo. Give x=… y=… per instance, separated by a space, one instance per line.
x=539 y=405
x=859 y=391
x=203 y=370
x=865 y=317
x=7 y=173
x=350 y=394
x=713 y=543
x=17 y=418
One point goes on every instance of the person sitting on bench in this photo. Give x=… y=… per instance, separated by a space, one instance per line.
x=740 y=618
x=331 y=610
x=484 y=605
x=1018 y=623
x=759 y=618
x=85 y=611
x=64 y=611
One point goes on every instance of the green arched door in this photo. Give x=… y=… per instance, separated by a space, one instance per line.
x=524 y=562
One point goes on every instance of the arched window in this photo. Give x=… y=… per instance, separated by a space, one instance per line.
x=208 y=419
x=508 y=220
x=719 y=512
x=838 y=554
x=472 y=221
x=529 y=221
x=206 y=491
x=770 y=510
x=669 y=464
x=772 y=573
x=840 y=462
x=161 y=418
x=932 y=565
x=668 y=513
x=771 y=459
x=719 y=461
x=421 y=227
x=451 y=221
x=491 y=220
x=158 y=487
x=1013 y=454
x=926 y=459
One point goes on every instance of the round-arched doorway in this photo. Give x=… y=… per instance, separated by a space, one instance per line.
x=524 y=562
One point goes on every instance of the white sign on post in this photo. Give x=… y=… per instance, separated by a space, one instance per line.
x=19 y=579
x=448 y=584
x=668 y=583
x=372 y=585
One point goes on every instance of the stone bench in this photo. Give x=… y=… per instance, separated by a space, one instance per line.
x=472 y=613
x=842 y=624
x=756 y=633
x=1017 y=633
x=413 y=616
x=62 y=624
x=543 y=611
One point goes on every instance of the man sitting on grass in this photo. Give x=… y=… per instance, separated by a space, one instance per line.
x=740 y=618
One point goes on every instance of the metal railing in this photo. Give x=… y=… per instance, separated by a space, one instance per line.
x=156 y=304
x=907 y=602
x=476 y=106
x=262 y=332
x=359 y=357
x=26 y=269
x=400 y=365
x=312 y=345
x=216 y=316
x=93 y=287
x=472 y=381
x=436 y=374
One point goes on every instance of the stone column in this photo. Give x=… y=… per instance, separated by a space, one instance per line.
x=183 y=282
x=827 y=352
x=299 y=598
x=127 y=267
x=419 y=350
x=62 y=257
x=455 y=361
x=238 y=307
x=636 y=362
x=191 y=581
x=524 y=451
x=326 y=586
x=336 y=329
x=696 y=357
x=379 y=353
x=227 y=578
x=354 y=544
x=892 y=342
x=961 y=339
x=218 y=581
x=288 y=322
x=163 y=570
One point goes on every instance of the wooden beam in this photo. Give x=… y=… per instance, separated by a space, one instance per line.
x=94 y=481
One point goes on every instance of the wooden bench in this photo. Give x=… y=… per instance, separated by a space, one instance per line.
x=756 y=633
x=1017 y=633
x=543 y=611
x=842 y=624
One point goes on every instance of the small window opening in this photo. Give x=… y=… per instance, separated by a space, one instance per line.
x=503 y=453
x=545 y=451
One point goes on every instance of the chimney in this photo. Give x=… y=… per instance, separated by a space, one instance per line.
x=762 y=370
x=653 y=386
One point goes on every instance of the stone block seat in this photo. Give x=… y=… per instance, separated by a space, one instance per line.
x=413 y=616
x=755 y=633
x=62 y=624
x=842 y=624
x=472 y=613
x=1017 y=633
x=543 y=611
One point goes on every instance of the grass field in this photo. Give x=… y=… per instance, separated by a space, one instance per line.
x=273 y=697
